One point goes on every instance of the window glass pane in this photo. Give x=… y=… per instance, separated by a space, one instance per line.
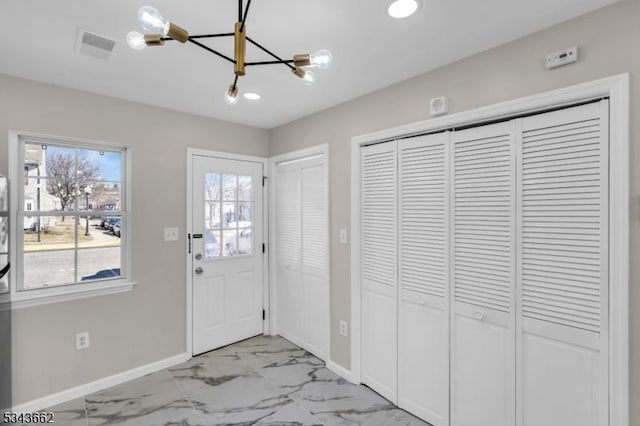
x=101 y=196
x=230 y=242
x=212 y=244
x=212 y=215
x=212 y=186
x=245 y=188
x=245 y=241
x=97 y=165
x=49 y=243
x=229 y=215
x=229 y=187
x=99 y=231
x=71 y=246
x=48 y=268
x=244 y=214
x=98 y=263
x=39 y=195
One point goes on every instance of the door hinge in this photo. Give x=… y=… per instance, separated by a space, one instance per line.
x=264 y=315
x=264 y=248
x=264 y=179
x=189 y=239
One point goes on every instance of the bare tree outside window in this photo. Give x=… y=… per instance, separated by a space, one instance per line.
x=65 y=180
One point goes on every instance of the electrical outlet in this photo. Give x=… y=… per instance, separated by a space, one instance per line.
x=344 y=330
x=171 y=234
x=82 y=341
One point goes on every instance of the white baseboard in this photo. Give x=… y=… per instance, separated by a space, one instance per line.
x=98 y=385
x=340 y=371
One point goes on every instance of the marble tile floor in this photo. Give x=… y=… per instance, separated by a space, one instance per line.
x=259 y=381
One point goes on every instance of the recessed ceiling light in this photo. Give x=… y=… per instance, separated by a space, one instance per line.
x=252 y=96
x=403 y=8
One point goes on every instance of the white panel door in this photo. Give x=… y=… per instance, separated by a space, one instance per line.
x=315 y=256
x=288 y=256
x=227 y=251
x=563 y=279
x=483 y=276
x=379 y=269
x=302 y=252
x=423 y=329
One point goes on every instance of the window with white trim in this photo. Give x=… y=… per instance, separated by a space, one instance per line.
x=72 y=218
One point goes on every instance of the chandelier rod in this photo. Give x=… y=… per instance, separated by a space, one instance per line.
x=243 y=18
x=280 y=60
x=207 y=48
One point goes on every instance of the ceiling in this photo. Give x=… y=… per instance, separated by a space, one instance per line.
x=370 y=49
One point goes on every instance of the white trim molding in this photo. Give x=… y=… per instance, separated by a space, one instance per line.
x=616 y=88
x=98 y=385
x=62 y=294
x=340 y=371
x=22 y=298
x=191 y=152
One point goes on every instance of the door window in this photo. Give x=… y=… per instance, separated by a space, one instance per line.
x=228 y=218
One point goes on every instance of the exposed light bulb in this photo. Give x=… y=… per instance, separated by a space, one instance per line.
x=136 y=40
x=231 y=96
x=321 y=59
x=309 y=78
x=151 y=20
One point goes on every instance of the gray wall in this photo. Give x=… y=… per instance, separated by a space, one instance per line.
x=608 y=40
x=131 y=329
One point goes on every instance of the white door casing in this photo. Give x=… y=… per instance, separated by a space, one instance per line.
x=302 y=252
x=527 y=348
x=227 y=251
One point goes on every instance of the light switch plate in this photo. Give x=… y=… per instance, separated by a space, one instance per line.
x=171 y=234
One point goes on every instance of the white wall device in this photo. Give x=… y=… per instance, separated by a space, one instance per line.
x=562 y=57
x=438 y=106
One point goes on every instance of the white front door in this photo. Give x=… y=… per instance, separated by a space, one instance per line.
x=227 y=251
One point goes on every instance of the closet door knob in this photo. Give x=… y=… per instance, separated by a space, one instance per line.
x=479 y=314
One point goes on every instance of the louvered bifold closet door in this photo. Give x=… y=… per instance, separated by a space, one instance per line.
x=483 y=276
x=379 y=268
x=315 y=256
x=423 y=330
x=289 y=293
x=563 y=268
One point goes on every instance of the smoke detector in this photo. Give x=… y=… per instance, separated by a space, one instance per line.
x=94 y=45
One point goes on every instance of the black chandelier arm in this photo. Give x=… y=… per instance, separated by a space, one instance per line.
x=202 y=36
x=243 y=17
x=290 y=61
x=280 y=60
x=208 y=49
x=235 y=82
x=212 y=35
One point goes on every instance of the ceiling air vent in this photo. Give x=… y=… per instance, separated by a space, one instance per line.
x=94 y=45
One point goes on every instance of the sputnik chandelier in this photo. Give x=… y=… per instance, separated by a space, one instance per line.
x=162 y=30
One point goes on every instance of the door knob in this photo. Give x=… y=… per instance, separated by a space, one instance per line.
x=198 y=256
x=479 y=314
x=199 y=270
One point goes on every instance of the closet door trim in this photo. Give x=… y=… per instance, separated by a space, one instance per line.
x=616 y=88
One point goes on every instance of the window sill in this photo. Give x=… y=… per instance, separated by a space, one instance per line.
x=29 y=299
